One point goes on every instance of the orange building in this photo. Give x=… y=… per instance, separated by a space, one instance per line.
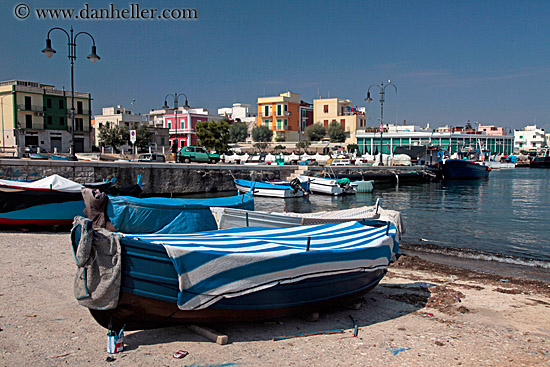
x=287 y=115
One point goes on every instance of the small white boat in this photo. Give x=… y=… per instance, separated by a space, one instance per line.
x=370 y=215
x=286 y=190
x=329 y=186
x=88 y=156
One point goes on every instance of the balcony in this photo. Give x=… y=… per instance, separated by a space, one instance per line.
x=34 y=108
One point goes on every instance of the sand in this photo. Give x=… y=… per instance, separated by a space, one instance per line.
x=422 y=314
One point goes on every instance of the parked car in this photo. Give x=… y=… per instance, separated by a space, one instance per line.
x=151 y=157
x=196 y=154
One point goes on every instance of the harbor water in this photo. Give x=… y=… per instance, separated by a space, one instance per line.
x=503 y=218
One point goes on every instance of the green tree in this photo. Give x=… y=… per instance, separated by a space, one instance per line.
x=304 y=144
x=336 y=132
x=316 y=131
x=213 y=135
x=353 y=148
x=280 y=138
x=114 y=135
x=262 y=134
x=261 y=146
x=238 y=132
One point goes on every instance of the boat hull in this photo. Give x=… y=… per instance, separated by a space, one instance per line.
x=540 y=162
x=459 y=169
x=325 y=186
x=268 y=190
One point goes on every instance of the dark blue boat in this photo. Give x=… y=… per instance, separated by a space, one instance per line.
x=244 y=274
x=460 y=169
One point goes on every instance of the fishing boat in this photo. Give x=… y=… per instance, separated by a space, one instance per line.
x=53 y=200
x=38 y=156
x=166 y=215
x=242 y=274
x=57 y=157
x=542 y=161
x=371 y=215
x=461 y=169
x=279 y=190
x=88 y=156
x=329 y=186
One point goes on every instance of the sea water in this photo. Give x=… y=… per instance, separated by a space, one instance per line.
x=502 y=218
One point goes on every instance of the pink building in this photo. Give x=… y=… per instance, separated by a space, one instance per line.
x=182 y=130
x=491 y=129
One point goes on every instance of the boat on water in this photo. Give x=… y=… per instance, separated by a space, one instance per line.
x=373 y=215
x=329 y=186
x=461 y=169
x=293 y=189
x=542 y=161
x=53 y=200
x=57 y=157
x=168 y=216
x=241 y=274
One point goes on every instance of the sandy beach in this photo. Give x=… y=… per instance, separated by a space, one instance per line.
x=422 y=314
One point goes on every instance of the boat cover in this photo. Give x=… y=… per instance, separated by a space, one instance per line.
x=234 y=262
x=263 y=185
x=166 y=215
x=53 y=182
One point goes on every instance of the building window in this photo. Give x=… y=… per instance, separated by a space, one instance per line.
x=62 y=121
x=266 y=110
x=61 y=104
x=326 y=124
x=325 y=108
x=286 y=124
x=286 y=107
x=266 y=123
x=79 y=108
x=343 y=123
x=79 y=124
x=49 y=102
x=279 y=110
x=169 y=122
x=28 y=121
x=303 y=113
x=279 y=124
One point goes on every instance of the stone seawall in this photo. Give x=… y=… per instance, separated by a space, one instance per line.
x=157 y=178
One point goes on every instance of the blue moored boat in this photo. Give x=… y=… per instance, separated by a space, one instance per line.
x=460 y=169
x=241 y=274
x=291 y=189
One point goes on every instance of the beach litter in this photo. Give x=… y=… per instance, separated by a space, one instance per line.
x=180 y=354
x=395 y=351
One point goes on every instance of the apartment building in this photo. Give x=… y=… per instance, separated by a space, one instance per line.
x=286 y=114
x=37 y=114
x=328 y=110
x=530 y=139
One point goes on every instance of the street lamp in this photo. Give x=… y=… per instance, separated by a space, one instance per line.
x=382 y=88
x=175 y=96
x=2 y=108
x=93 y=57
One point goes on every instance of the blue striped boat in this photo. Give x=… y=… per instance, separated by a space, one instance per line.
x=252 y=273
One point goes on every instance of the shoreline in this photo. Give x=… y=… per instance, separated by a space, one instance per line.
x=421 y=314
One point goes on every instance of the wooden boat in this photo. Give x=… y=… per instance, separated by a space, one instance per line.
x=88 y=156
x=167 y=215
x=542 y=161
x=53 y=200
x=242 y=274
x=329 y=186
x=38 y=156
x=293 y=189
x=371 y=215
x=460 y=169
x=56 y=157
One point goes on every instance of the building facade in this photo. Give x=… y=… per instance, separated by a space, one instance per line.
x=328 y=110
x=240 y=112
x=529 y=140
x=118 y=116
x=452 y=141
x=181 y=123
x=35 y=114
x=286 y=115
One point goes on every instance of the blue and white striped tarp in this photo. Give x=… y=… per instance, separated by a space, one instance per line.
x=233 y=262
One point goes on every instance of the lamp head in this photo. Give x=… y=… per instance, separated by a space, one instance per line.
x=165 y=107
x=49 y=51
x=368 y=99
x=93 y=56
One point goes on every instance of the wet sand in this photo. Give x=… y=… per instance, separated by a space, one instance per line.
x=422 y=314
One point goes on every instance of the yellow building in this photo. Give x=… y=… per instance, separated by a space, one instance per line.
x=287 y=115
x=342 y=111
x=35 y=114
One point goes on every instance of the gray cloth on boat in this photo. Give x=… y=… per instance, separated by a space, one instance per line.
x=96 y=206
x=98 y=277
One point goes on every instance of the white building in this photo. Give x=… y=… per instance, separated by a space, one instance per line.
x=240 y=112
x=530 y=138
x=118 y=116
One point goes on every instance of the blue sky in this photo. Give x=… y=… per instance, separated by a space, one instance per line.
x=452 y=61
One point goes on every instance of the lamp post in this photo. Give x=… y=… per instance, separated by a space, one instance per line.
x=93 y=57
x=175 y=96
x=382 y=88
x=2 y=108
